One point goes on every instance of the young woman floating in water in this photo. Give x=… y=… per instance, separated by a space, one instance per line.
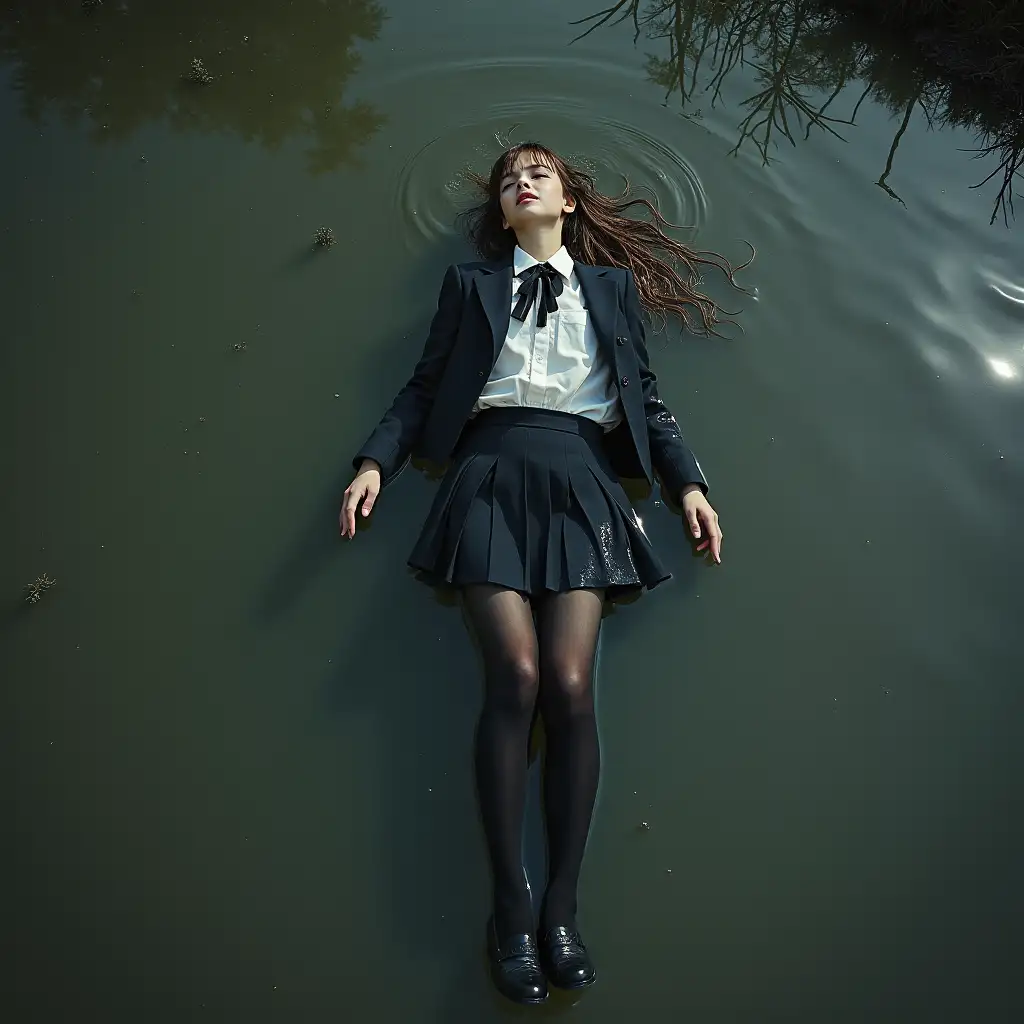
x=536 y=383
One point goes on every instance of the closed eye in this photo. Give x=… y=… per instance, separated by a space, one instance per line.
x=509 y=184
x=538 y=171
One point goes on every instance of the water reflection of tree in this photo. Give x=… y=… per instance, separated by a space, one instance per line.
x=1005 y=142
x=278 y=69
x=903 y=82
x=768 y=37
x=797 y=49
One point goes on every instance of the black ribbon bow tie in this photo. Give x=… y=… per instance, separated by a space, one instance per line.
x=549 y=280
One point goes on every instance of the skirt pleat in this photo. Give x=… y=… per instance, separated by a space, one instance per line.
x=554 y=538
x=441 y=534
x=530 y=502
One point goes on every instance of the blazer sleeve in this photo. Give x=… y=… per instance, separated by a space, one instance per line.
x=675 y=463
x=396 y=434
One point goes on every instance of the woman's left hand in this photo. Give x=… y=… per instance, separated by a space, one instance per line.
x=703 y=521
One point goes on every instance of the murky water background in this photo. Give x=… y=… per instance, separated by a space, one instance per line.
x=237 y=775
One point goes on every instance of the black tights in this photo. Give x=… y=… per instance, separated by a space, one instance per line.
x=553 y=661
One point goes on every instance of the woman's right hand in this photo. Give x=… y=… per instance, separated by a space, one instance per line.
x=364 y=488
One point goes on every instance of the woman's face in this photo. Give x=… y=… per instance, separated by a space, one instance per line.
x=531 y=194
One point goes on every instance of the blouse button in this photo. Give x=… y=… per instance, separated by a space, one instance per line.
x=625 y=381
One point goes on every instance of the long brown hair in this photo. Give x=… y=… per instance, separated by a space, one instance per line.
x=598 y=232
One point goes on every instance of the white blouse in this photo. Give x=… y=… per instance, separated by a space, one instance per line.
x=557 y=366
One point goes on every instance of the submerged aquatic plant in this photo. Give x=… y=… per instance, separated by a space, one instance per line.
x=198 y=74
x=37 y=587
x=324 y=237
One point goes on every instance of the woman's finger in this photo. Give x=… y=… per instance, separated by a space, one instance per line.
x=717 y=536
x=354 y=494
x=342 y=521
x=353 y=502
x=691 y=518
x=371 y=497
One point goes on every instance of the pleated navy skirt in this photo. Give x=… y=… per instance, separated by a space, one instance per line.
x=530 y=502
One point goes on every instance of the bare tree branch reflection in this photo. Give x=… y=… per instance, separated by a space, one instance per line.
x=1009 y=147
x=608 y=15
x=787 y=69
x=803 y=57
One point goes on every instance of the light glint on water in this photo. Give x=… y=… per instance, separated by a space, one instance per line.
x=1003 y=369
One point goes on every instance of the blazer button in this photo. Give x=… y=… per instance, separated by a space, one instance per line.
x=625 y=382
x=620 y=341
x=480 y=373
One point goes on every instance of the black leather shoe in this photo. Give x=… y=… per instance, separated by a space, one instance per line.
x=515 y=967
x=565 y=959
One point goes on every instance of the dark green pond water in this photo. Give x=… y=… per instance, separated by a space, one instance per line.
x=237 y=775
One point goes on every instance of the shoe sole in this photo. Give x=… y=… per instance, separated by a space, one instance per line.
x=520 y=1002
x=573 y=988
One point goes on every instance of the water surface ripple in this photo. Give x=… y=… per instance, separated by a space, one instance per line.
x=559 y=106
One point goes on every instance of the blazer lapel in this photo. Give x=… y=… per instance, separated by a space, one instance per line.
x=494 y=286
x=602 y=304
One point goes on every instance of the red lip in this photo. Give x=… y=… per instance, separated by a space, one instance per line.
x=525 y=197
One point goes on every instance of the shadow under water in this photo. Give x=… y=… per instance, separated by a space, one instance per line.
x=199 y=66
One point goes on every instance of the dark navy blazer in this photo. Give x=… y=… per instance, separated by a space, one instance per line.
x=466 y=336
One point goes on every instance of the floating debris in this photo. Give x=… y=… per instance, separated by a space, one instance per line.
x=645 y=826
x=90 y=5
x=324 y=237
x=239 y=346
x=198 y=74
x=37 y=587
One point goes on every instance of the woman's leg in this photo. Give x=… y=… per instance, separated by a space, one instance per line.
x=568 y=625
x=503 y=622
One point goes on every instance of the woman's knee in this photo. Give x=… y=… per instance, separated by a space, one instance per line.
x=568 y=689
x=514 y=683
